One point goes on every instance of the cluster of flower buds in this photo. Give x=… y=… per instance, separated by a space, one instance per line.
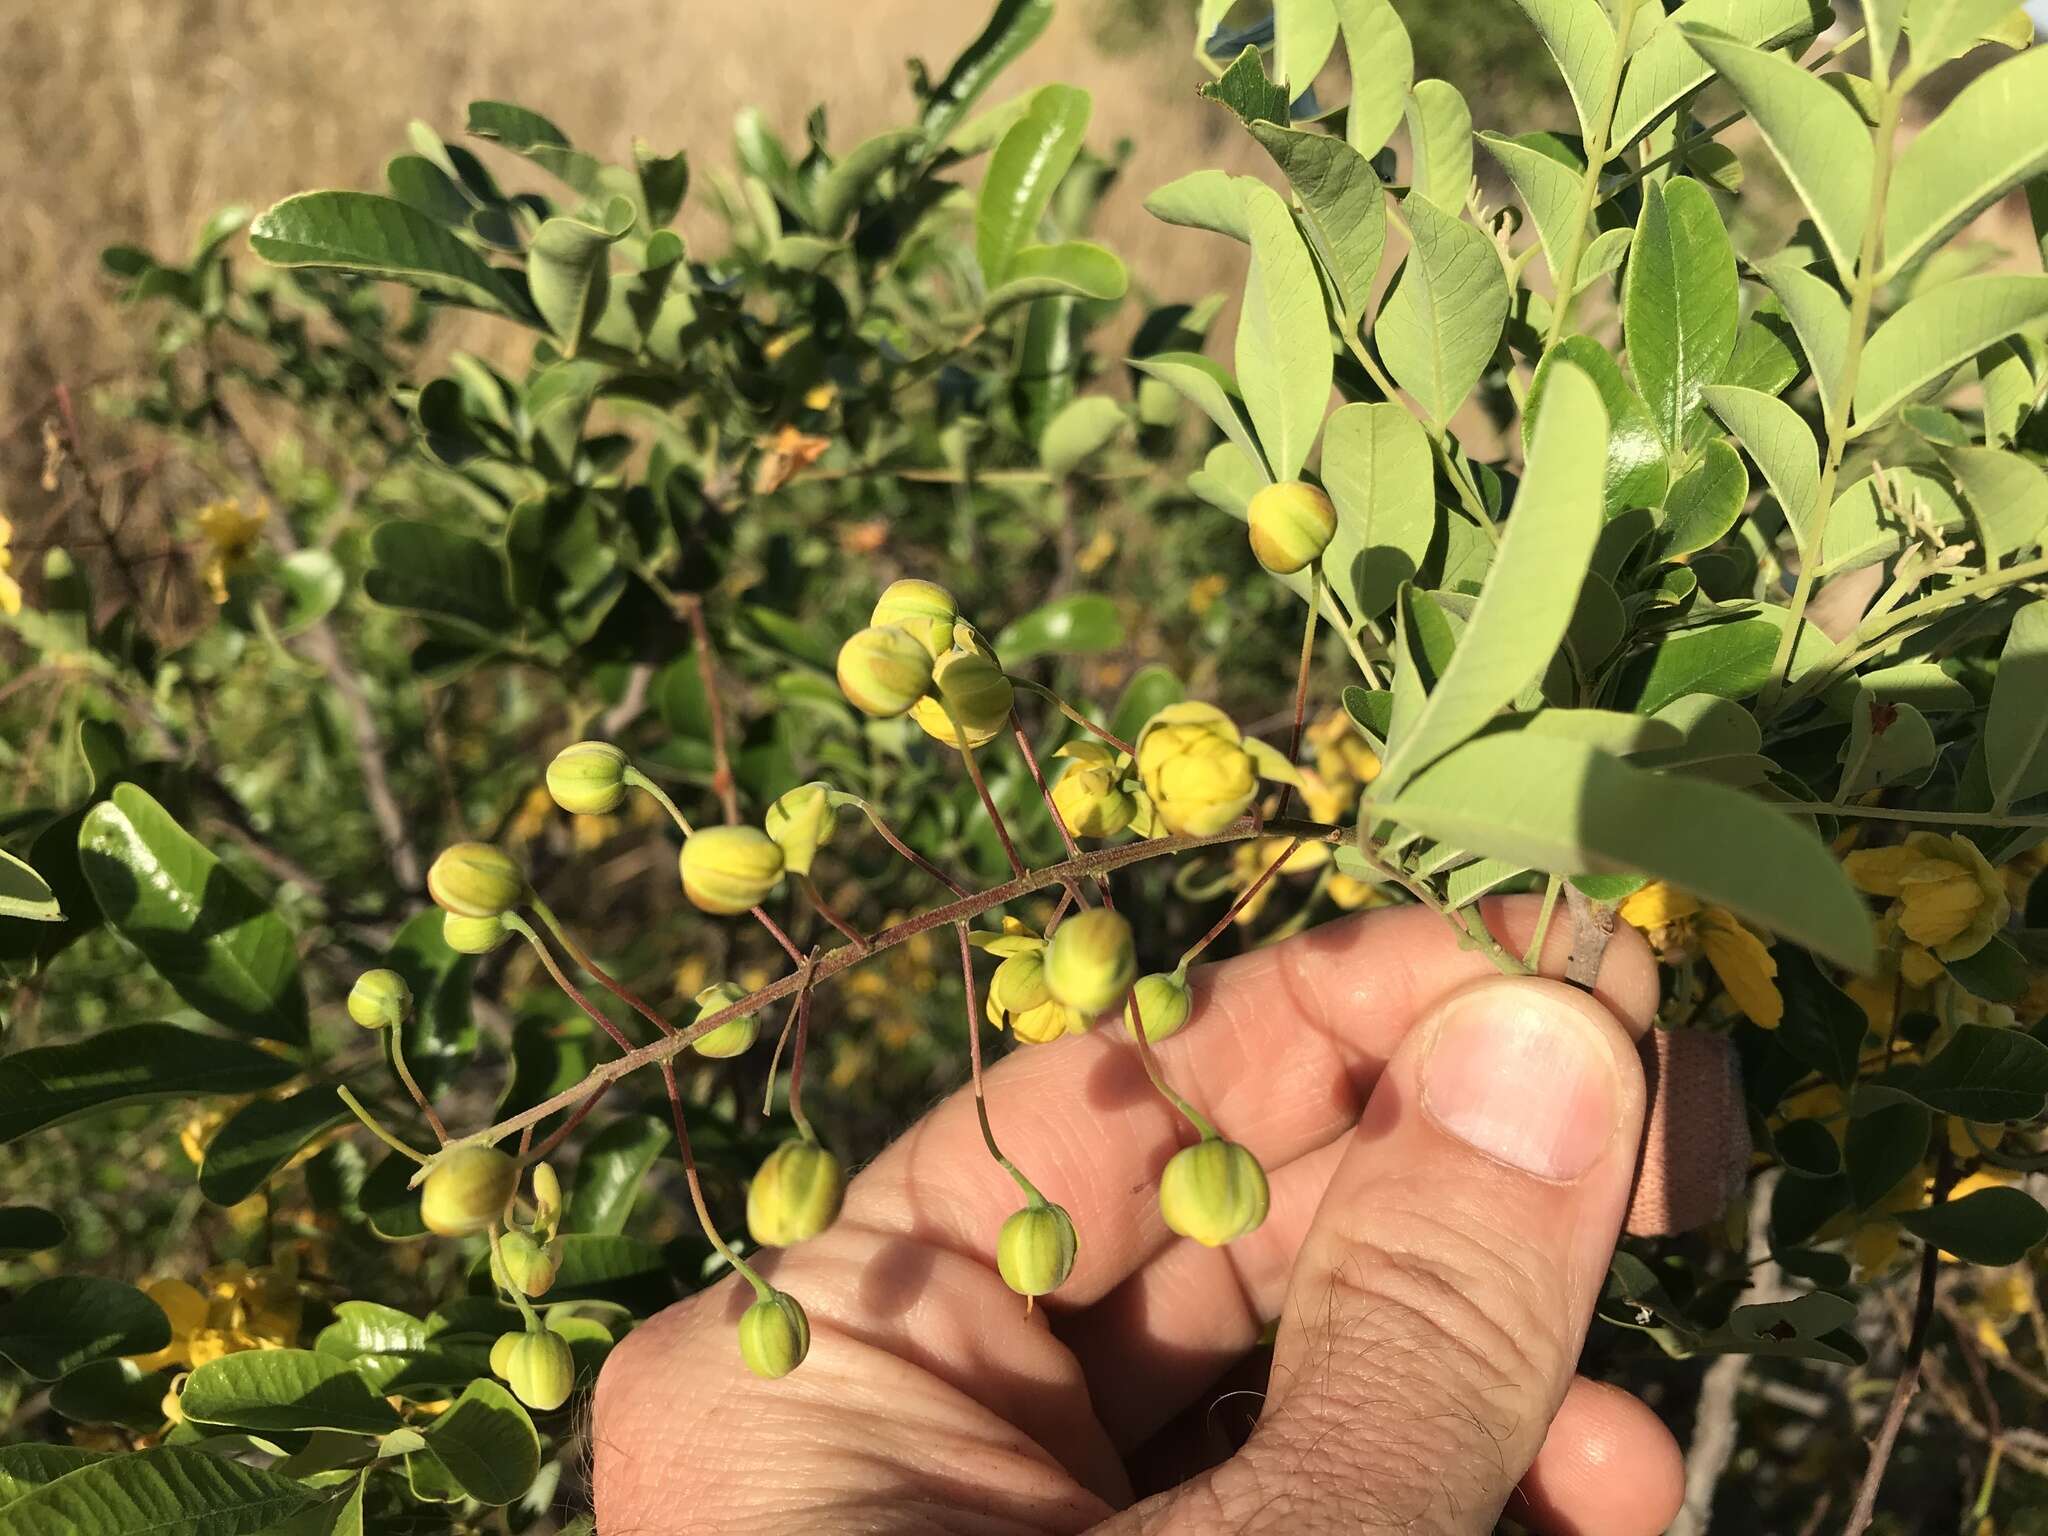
x=1200 y=771
x=919 y=657
x=476 y=887
x=1019 y=999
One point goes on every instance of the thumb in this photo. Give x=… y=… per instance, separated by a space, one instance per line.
x=1437 y=1307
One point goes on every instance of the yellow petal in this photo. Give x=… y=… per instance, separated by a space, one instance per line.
x=1744 y=964
x=1657 y=905
x=1879 y=870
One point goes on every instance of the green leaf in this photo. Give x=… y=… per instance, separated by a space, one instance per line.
x=1283 y=336
x=1813 y=1326
x=527 y=133
x=1564 y=807
x=1818 y=316
x=1013 y=26
x=24 y=893
x=1945 y=29
x=1984 y=1073
x=1532 y=590
x=1883 y=1147
x=26 y=1229
x=1382 y=62
x=1376 y=467
x=1440 y=145
x=1987 y=141
x=2007 y=496
x=1997 y=972
x=1202 y=200
x=835 y=198
x=1073 y=267
x=1868 y=521
x=113 y=1392
x=1817 y=136
x=1889 y=745
x=1779 y=441
x=1305 y=32
x=1548 y=189
x=1881 y=22
x=609 y=1173
x=1666 y=66
x=1681 y=302
x=1208 y=385
x=31 y=1464
x=1990 y=1226
x=1704 y=503
x=1938 y=331
x=272 y=1391
x=1344 y=211
x=568 y=269
x=381 y=237
x=2016 y=726
x=1423 y=647
x=260 y=1138
x=1144 y=696
x=1082 y=429
x=1822 y=1027
x=448 y=576
x=664 y=182
x=1581 y=41
x=1729 y=661
x=168 y=1491
x=213 y=939
x=1082 y=624
x=314 y=583
x=1246 y=91
x=1439 y=325
x=1638 y=468
x=487 y=1443
x=1027 y=165
x=57 y=1325
x=49 y=1083
x=1807 y=1149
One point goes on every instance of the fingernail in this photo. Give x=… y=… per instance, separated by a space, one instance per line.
x=1524 y=1079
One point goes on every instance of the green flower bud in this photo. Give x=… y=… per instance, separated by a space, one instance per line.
x=1021 y=1002
x=1035 y=1250
x=800 y=823
x=380 y=1000
x=922 y=608
x=1214 y=1192
x=540 y=1370
x=501 y=1354
x=735 y=1036
x=795 y=1194
x=729 y=870
x=884 y=670
x=467 y=1191
x=547 y=1193
x=972 y=683
x=1195 y=769
x=475 y=880
x=529 y=1267
x=1163 y=1002
x=1291 y=525
x=1090 y=796
x=774 y=1336
x=588 y=779
x=1089 y=961
x=473 y=935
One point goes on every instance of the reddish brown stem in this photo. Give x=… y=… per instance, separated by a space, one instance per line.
x=1051 y=807
x=547 y=959
x=721 y=763
x=796 y=1063
x=824 y=909
x=567 y=1128
x=988 y=801
x=911 y=853
x=775 y=929
x=1244 y=898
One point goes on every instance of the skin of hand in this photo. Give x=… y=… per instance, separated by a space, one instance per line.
x=1450 y=1153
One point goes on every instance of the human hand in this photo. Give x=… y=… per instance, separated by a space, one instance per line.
x=1450 y=1154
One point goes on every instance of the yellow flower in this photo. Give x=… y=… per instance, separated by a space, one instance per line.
x=1341 y=753
x=784 y=456
x=1203 y=592
x=1351 y=893
x=1095 y=554
x=10 y=589
x=1947 y=897
x=229 y=534
x=1249 y=862
x=1674 y=920
x=1196 y=771
x=233 y=1308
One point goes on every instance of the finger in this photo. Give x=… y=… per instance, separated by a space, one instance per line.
x=1281 y=1049
x=1608 y=1467
x=1437 y=1308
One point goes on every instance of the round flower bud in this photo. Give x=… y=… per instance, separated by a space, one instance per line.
x=529 y=1268
x=1035 y=1250
x=735 y=1036
x=547 y=1190
x=1291 y=525
x=1089 y=961
x=972 y=684
x=588 y=779
x=540 y=1370
x=1195 y=769
x=774 y=1336
x=800 y=823
x=922 y=608
x=501 y=1354
x=1090 y=796
x=379 y=1000
x=467 y=1191
x=1163 y=1002
x=1214 y=1192
x=884 y=670
x=729 y=870
x=475 y=880
x=473 y=935
x=795 y=1194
